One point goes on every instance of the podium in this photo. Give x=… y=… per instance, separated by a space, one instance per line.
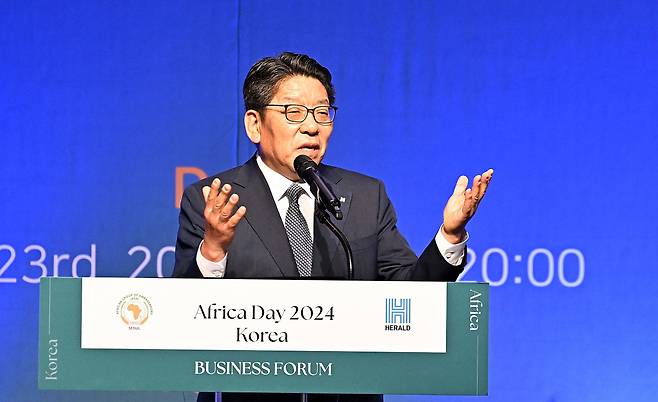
x=238 y=335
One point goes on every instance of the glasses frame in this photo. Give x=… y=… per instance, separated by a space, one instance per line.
x=311 y=110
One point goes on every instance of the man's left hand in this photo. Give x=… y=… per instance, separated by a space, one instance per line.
x=462 y=206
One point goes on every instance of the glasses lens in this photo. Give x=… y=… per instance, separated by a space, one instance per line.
x=296 y=113
x=324 y=114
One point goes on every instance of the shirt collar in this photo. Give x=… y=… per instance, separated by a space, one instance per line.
x=277 y=182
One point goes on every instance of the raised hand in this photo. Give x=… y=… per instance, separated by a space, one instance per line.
x=221 y=221
x=463 y=203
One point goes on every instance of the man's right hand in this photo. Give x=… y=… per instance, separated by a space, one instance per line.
x=221 y=221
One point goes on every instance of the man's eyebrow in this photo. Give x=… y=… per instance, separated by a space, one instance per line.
x=323 y=101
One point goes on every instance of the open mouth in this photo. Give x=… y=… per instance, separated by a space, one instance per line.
x=310 y=147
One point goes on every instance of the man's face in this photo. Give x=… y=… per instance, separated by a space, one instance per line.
x=281 y=141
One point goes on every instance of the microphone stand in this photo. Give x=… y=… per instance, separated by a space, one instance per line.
x=324 y=218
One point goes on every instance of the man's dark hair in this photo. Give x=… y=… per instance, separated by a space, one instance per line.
x=266 y=75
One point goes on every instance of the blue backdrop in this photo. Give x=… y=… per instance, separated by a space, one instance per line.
x=102 y=103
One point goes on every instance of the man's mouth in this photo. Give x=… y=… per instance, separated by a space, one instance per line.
x=310 y=147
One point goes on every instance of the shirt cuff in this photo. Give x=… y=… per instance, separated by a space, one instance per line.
x=453 y=253
x=210 y=269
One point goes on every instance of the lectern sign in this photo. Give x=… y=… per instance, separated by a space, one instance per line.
x=239 y=335
x=328 y=316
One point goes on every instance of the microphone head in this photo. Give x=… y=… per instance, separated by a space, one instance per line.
x=303 y=164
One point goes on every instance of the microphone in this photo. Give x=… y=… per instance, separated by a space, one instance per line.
x=327 y=202
x=308 y=170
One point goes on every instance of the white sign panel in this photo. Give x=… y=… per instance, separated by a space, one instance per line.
x=277 y=315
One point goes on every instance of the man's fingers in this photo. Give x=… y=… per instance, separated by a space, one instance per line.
x=212 y=191
x=468 y=202
x=209 y=197
x=217 y=199
x=222 y=198
x=206 y=193
x=210 y=194
x=486 y=178
x=228 y=208
x=239 y=214
x=480 y=183
x=460 y=187
x=477 y=185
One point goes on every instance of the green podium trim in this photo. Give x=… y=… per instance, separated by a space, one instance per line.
x=463 y=370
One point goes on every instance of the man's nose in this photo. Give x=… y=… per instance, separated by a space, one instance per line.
x=309 y=125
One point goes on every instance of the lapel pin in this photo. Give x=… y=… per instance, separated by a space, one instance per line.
x=342 y=199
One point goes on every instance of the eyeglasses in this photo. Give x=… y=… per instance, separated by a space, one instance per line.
x=297 y=113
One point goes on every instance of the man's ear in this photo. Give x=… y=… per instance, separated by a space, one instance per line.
x=252 y=125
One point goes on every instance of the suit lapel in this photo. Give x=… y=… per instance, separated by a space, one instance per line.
x=263 y=217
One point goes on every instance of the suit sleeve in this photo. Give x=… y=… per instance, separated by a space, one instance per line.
x=396 y=260
x=190 y=233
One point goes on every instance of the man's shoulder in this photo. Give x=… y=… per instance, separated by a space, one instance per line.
x=349 y=178
x=336 y=175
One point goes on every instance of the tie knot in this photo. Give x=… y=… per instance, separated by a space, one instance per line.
x=293 y=192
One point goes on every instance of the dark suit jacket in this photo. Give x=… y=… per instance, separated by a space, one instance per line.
x=260 y=248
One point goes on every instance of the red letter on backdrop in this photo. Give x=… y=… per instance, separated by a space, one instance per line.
x=181 y=171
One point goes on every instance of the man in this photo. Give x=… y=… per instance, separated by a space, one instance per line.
x=258 y=220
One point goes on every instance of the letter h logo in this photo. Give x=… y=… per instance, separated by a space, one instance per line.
x=398 y=311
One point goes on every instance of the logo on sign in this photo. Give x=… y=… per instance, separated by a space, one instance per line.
x=398 y=314
x=134 y=310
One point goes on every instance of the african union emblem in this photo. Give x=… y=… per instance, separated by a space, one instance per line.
x=398 y=313
x=134 y=309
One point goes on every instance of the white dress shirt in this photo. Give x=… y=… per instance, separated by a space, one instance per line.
x=453 y=253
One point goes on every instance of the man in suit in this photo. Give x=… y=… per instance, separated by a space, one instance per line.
x=259 y=220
